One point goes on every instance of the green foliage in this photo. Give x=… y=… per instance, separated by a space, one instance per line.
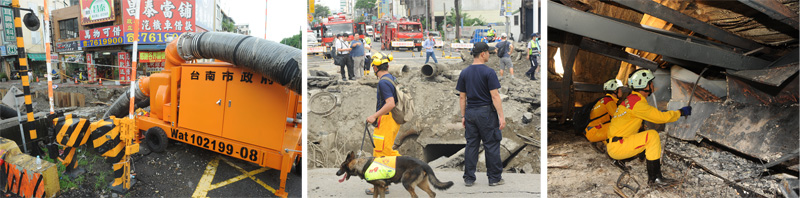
x=365 y=4
x=468 y=21
x=321 y=11
x=3 y=75
x=294 y=41
x=228 y=26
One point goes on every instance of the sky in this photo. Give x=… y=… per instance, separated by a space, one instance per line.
x=285 y=17
x=333 y=5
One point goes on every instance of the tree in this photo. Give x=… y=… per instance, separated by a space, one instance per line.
x=365 y=4
x=468 y=21
x=294 y=41
x=321 y=11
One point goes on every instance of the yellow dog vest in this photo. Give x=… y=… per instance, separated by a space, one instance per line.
x=381 y=168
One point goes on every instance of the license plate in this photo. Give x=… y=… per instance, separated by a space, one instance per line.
x=219 y=145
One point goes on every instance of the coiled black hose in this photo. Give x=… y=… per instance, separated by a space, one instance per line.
x=278 y=62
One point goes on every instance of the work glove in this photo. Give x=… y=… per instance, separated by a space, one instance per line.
x=686 y=111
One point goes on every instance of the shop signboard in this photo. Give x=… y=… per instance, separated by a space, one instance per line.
x=159 y=20
x=11 y=50
x=151 y=57
x=8 y=23
x=102 y=36
x=73 y=58
x=3 y=51
x=96 y=11
x=68 y=46
x=91 y=72
x=124 y=67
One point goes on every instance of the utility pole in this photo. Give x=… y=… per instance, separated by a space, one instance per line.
x=458 y=19
x=266 y=4
x=505 y=14
x=535 y=22
x=444 y=23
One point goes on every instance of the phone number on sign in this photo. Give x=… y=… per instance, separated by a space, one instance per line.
x=102 y=42
x=151 y=37
x=219 y=146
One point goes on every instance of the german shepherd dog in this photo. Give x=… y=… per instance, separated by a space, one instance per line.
x=411 y=171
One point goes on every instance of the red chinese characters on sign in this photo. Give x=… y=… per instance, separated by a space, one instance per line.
x=124 y=67
x=160 y=15
x=109 y=35
x=91 y=71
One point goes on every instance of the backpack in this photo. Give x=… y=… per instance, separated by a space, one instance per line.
x=404 y=104
x=580 y=117
x=502 y=51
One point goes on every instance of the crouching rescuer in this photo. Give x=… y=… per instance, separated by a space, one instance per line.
x=624 y=139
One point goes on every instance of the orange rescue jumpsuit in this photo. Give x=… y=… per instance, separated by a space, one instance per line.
x=384 y=135
x=597 y=130
x=626 y=123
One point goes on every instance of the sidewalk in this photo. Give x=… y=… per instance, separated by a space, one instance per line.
x=323 y=182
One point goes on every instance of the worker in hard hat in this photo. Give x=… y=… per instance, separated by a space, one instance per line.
x=533 y=55
x=624 y=138
x=385 y=126
x=490 y=34
x=600 y=116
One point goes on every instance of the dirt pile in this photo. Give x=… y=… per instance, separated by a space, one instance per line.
x=338 y=111
x=701 y=169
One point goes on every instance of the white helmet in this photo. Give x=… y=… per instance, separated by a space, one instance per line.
x=612 y=85
x=640 y=78
x=503 y=35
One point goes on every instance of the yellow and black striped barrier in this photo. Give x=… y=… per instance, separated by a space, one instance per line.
x=23 y=67
x=113 y=138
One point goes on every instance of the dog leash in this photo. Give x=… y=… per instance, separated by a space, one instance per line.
x=366 y=130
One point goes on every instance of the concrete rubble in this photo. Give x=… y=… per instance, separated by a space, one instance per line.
x=436 y=134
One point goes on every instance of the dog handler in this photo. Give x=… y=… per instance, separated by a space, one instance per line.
x=385 y=126
x=625 y=140
x=482 y=116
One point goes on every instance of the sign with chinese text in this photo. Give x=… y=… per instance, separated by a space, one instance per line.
x=96 y=11
x=204 y=14
x=151 y=57
x=9 y=32
x=68 y=46
x=154 y=66
x=124 y=66
x=102 y=36
x=91 y=72
x=73 y=58
x=11 y=50
x=159 y=20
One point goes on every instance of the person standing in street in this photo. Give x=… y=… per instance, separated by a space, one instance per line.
x=428 y=45
x=504 y=49
x=357 y=54
x=343 y=47
x=482 y=116
x=533 y=56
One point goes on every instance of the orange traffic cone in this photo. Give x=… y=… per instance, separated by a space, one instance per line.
x=100 y=81
x=76 y=80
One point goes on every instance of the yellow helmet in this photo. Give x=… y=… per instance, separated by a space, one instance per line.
x=380 y=58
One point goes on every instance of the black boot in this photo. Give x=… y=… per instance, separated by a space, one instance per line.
x=654 y=176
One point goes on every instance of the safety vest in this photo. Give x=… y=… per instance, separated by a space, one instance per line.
x=629 y=115
x=368 y=40
x=533 y=44
x=491 y=32
x=381 y=168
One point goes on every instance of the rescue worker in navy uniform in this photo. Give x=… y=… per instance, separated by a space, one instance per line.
x=482 y=116
x=624 y=139
x=597 y=131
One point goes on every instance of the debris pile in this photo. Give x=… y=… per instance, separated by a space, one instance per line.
x=338 y=110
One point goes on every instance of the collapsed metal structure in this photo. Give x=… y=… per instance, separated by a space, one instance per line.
x=747 y=101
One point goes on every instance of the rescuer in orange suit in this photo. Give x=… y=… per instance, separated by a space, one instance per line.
x=385 y=126
x=625 y=140
x=597 y=130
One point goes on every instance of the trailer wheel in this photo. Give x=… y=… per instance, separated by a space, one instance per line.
x=156 y=139
x=298 y=166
